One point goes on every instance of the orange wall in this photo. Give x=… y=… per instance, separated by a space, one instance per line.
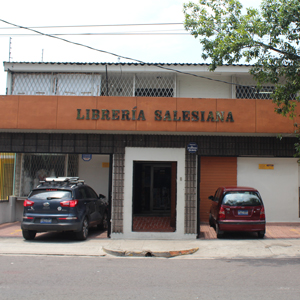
x=215 y=172
x=60 y=113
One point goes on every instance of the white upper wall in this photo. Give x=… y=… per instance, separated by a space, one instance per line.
x=191 y=80
x=194 y=87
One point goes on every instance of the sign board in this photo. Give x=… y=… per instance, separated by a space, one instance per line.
x=192 y=147
x=266 y=166
x=86 y=157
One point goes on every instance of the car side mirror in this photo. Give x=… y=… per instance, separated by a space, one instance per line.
x=101 y=196
x=211 y=198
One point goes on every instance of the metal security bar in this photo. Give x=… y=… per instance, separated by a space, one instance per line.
x=117 y=85
x=253 y=92
x=36 y=167
x=94 y=84
x=70 y=84
x=77 y=84
x=32 y=84
x=154 y=85
x=7 y=167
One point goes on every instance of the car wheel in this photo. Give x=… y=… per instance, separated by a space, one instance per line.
x=28 y=234
x=210 y=220
x=219 y=232
x=84 y=232
x=260 y=234
x=104 y=223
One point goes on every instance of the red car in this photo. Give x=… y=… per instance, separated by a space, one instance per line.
x=237 y=209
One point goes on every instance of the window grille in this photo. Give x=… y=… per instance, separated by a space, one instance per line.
x=32 y=84
x=252 y=92
x=117 y=85
x=7 y=167
x=36 y=167
x=154 y=85
x=73 y=84
x=78 y=84
x=96 y=84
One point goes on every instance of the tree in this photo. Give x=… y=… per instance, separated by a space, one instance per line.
x=267 y=38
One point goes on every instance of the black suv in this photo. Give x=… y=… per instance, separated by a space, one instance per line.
x=63 y=204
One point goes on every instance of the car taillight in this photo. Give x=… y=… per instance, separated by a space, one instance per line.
x=70 y=203
x=28 y=203
x=262 y=214
x=221 y=213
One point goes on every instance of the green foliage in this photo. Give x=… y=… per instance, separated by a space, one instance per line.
x=297 y=148
x=268 y=38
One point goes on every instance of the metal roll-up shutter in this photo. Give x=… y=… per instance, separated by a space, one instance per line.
x=215 y=172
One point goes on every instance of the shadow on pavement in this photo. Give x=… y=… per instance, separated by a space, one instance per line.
x=14 y=230
x=94 y=233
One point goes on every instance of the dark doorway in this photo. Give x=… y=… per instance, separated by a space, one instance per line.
x=154 y=196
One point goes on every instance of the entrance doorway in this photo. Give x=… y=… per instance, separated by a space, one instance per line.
x=154 y=196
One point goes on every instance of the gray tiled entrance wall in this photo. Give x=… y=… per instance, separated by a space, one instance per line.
x=190 y=207
x=190 y=193
x=118 y=193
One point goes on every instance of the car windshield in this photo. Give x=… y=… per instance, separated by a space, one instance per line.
x=241 y=199
x=50 y=194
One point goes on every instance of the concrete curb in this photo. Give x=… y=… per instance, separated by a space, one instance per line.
x=146 y=253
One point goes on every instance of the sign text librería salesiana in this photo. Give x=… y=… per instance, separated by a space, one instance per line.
x=159 y=115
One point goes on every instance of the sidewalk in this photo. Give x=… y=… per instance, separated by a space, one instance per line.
x=282 y=241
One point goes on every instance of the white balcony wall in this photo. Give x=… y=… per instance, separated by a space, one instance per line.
x=195 y=87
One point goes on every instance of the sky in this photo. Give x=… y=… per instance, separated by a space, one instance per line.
x=172 y=48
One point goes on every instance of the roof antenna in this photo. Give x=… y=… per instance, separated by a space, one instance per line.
x=9 y=54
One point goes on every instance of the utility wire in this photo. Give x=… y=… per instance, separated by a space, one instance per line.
x=102 y=25
x=97 y=33
x=121 y=56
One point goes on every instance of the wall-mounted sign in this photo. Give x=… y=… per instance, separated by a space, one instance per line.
x=159 y=115
x=266 y=166
x=105 y=165
x=192 y=147
x=86 y=157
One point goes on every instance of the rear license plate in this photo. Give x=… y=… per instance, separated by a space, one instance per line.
x=243 y=212
x=46 y=221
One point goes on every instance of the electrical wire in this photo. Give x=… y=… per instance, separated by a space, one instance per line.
x=121 y=56
x=174 y=31
x=102 y=25
x=97 y=33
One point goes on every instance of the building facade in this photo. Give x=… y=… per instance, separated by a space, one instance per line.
x=157 y=139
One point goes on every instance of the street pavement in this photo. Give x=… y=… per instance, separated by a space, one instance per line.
x=283 y=244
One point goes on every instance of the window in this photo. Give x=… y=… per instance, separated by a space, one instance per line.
x=241 y=199
x=253 y=92
x=7 y=164
x=78 y=85
x=32 y=84
x=154 y=85
x=49 y=195
x=95 y=84
x=68 y=84
x=36 y=167
x=90 y=193
x=148 y=92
